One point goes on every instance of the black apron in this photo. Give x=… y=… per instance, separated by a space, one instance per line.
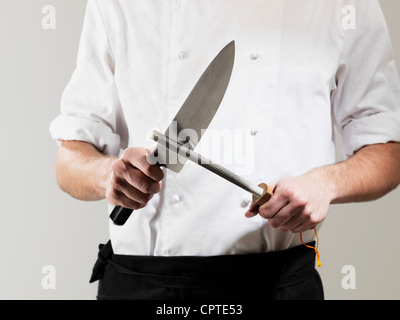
x=282 y=275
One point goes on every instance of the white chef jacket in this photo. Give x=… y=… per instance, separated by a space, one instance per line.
x=301 y=68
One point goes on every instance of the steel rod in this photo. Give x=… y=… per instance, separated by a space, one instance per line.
x=206 y=163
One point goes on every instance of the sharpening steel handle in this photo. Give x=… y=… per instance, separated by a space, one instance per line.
x=266 y=196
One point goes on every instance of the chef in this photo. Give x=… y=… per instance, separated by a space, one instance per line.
x=298 y=74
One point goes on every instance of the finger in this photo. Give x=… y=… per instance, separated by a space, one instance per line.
x=119 y=184
x=292 y=223
x=287 y=216
x=300 y=228
x=136 y=195
x=289 y=225
x=255 y=208
x=142 y=182
x=304 y=226
x=118 y=198
x=135 y=178
x=279 y=200
x=137 y=157
x=273 y=206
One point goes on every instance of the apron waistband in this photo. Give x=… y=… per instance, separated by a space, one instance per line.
x=292 y=266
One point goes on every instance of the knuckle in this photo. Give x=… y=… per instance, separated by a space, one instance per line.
x=146 y=167
x=157 y=173
x=270 y=215
x=128 y=153
x=289 y=192
x=273 y=223
x=161 y=173
x=156 y=188
x=278 y=223
x=264 y=213
x=313 y=220
x=146 y=187
x=301 y=202
x=146 y=198
x=115 y=183
x=307 y=212
x=152 y=170
x=118 y=167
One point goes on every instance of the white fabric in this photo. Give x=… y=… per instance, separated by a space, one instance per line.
x=298 y=72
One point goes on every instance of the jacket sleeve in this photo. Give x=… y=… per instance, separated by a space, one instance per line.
x=366 y=101
x=90 y=107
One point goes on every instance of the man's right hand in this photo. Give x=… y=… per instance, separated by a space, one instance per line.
x=133 y=181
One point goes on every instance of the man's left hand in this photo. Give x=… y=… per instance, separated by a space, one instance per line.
x=298 y=204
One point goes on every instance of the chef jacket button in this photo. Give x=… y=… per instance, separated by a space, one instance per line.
x=245 y=203
x=183 y=55
x=176 y=198
x=254 y=56
x=253 y=132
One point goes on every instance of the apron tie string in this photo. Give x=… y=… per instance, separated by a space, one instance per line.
x=314 y=248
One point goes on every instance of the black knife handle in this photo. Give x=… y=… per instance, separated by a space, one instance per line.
x=120 y=215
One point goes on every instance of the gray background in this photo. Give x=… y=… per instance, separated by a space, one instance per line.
x=40 y=225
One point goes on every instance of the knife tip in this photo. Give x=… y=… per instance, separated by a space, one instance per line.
x=231 y=46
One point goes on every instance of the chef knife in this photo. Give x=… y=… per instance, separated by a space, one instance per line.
x=195 y=114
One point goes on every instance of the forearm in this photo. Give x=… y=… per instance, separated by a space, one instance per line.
x=300 y=203
x=370 y=174
x=82 y=171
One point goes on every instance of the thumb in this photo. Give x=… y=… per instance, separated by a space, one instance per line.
x=253 y=210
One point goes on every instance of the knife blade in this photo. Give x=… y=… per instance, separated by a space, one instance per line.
x=200 y=106
x=195 y=115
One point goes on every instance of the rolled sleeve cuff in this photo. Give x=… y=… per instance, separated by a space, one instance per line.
x=374 y=129
x=80 y=129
